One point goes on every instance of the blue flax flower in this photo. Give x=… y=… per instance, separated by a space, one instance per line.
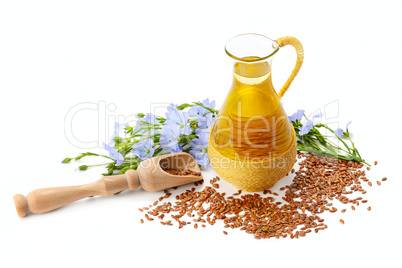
x=179 y=118
x=208 y=104
x=169 y=139
x=199 y=149
x=340 y=132
x=296 y=116
x=307 y=126
x=144 y=149
x=205 y=124
x=198 y=112
x=114 y=153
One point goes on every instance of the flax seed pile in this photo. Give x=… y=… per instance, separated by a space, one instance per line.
x=182 y=172
x=318 y=182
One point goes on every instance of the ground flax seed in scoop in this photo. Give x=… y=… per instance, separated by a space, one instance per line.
x=252 y=143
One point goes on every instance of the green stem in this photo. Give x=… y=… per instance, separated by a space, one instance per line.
x=91 y=154
x=339 y=138
x=98 y=165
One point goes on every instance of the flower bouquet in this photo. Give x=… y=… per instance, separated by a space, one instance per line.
x=186 y=128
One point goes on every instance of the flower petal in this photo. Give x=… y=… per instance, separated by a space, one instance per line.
x=119 y=159
x=299 y=114
x=306 y=127
x=197 y=111
x=205 y=124
x=317 y=116
x=169 y=136
x=203 y=137
x=186 y=130
x=173 y=116
x=177 y=149
x=292 y=118
x=206 y=102
x=150 y=118
x=171 y=107
x=339 y=132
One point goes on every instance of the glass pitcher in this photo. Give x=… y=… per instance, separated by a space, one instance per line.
x=252 y=143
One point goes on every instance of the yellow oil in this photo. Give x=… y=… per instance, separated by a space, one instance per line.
x=252 y=122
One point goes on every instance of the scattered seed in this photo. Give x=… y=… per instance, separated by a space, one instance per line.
x=384 y=179
x=378 y=182
x=318 y=182
x=375 y=163
x=342 y=221
x=225 y=233
x=369 y=208
x=142 y=221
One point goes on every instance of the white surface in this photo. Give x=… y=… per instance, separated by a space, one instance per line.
x=57 y=54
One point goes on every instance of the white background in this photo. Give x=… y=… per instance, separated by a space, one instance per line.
x=57 y=54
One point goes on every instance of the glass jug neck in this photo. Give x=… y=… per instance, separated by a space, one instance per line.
x=252 y=55
x=252 y=73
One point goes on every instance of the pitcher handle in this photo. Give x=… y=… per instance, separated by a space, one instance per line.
x=289 y=40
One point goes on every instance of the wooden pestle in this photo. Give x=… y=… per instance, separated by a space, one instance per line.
x=149 y=175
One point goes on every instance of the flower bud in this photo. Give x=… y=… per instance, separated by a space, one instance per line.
x=66 y=160
x=83 y=167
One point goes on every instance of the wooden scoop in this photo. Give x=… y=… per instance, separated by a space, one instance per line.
x=150 y=175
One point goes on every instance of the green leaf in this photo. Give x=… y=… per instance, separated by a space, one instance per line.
x=183 y=106
x=209 y=109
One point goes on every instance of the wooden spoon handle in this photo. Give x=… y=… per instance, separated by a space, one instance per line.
x=47 y=199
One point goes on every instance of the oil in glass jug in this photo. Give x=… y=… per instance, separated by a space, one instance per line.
x=252 y=143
